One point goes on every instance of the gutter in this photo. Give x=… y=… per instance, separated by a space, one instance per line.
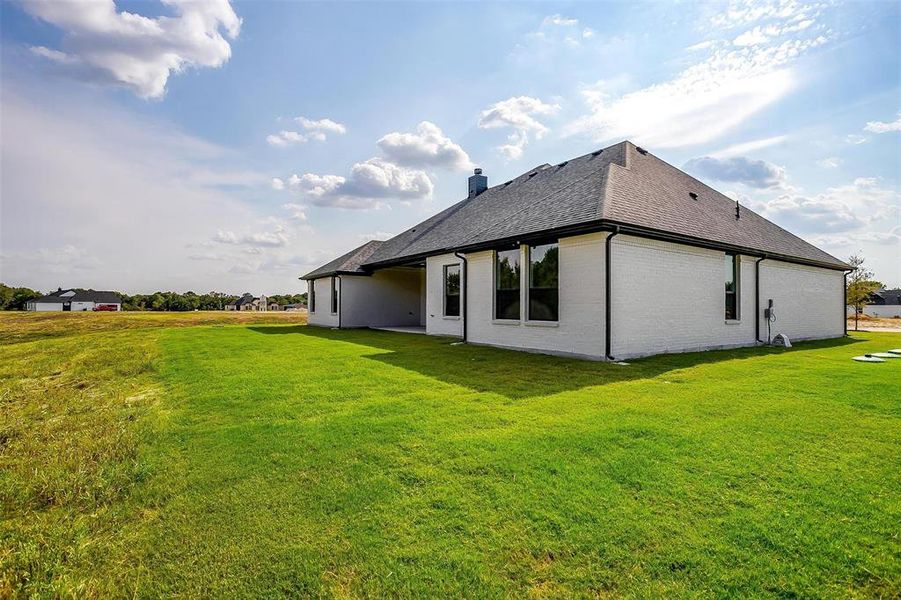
x=608 y=295
x=607 y=225
x=463 y=294
x=757 y=298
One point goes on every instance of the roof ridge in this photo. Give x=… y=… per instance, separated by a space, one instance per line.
x=543 y=198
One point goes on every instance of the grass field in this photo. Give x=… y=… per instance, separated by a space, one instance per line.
x=233 y=455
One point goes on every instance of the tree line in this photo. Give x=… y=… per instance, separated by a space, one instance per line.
x=15 y=298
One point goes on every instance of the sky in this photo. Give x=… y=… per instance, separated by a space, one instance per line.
x=207 y=145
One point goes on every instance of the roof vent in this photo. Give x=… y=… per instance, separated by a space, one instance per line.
x=596 y=152
x=478 y=183
x=533 y=174
x=693 y=195
x=737 y=211
x=508 y=183
x=641 y=150
x=563 y=164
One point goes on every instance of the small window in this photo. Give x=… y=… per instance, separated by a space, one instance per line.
x=731 y=277
x=506 y=284
x=334 y=295
x=544 y=282
x=452 y=290
x=312 y=295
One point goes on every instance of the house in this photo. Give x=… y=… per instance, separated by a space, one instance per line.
x=884 y=303
x=76 y=300
x=610 y=255
x=297 y=307
x=248 y=302
x=274 y=306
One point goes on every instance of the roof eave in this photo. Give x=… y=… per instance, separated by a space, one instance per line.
x=607 y=225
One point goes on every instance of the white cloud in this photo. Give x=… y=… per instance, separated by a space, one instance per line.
x=375 y=235
x=103 y=44
x=747 y=147
x=752 y=173
x=428 y=147
x=830 y=162
x=298 y=211
x=853 y=138
x=701 y=45
x=278 y=184
x=322 y=125
x=276 y=236
x=312 y=130
x=860 y=207
x=559 y=21
x=724 y=88
x=519 y=114
x=369 y=184
x=883 y=127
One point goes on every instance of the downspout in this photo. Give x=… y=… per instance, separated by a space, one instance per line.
x=463 y=294
x=757 y=298
x=608 y=294
x=845 y=304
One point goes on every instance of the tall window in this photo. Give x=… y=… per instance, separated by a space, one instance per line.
x=452 y=290
x=731 y=276
x=544 y=288
x=506 y=285
x=334 y=295
x=312 y=295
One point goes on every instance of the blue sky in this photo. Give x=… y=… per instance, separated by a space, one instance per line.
x=234 y=146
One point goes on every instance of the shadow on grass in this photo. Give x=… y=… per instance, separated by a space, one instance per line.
x=517 y=375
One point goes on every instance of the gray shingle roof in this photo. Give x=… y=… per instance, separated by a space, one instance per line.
x=96 y=296
x=346 y=263
x=617 y=185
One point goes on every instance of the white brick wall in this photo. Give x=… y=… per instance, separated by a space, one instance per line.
x=667 y=297
x=580 y=329
x=807 y=300
x=670 y=298
x=435 y=321
x=322 y=316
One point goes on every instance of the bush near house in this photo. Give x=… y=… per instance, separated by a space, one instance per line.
x=267 y=458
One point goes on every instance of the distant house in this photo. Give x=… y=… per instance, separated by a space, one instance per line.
x=884 y=303
x=275 y=306
x=298 y=307
x=76 y=300
x=610 y=255
x=248 y=302
x=886 y=297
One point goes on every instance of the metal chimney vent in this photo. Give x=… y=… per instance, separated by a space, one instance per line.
x=478 y=183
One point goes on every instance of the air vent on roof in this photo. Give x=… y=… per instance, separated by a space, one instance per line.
x=641 y=150
x=508 y=183
x=533 y=174
x=563 y=164
x=596 y=152
x=693 y=195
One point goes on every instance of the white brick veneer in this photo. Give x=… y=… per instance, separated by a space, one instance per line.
x=580 y=330
x=322 y=316
x=670 y=298
x=435 y=321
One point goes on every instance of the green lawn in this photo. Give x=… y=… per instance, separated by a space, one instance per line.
x=278 y=459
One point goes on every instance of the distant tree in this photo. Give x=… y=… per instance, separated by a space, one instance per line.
x=861 y=286
x=15 y=298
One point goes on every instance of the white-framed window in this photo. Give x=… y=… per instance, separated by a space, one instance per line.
x=544 y=282
x=731 y=275
x=451 y=290
x=507 y=284
x=334 y=295
x=312 y=295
